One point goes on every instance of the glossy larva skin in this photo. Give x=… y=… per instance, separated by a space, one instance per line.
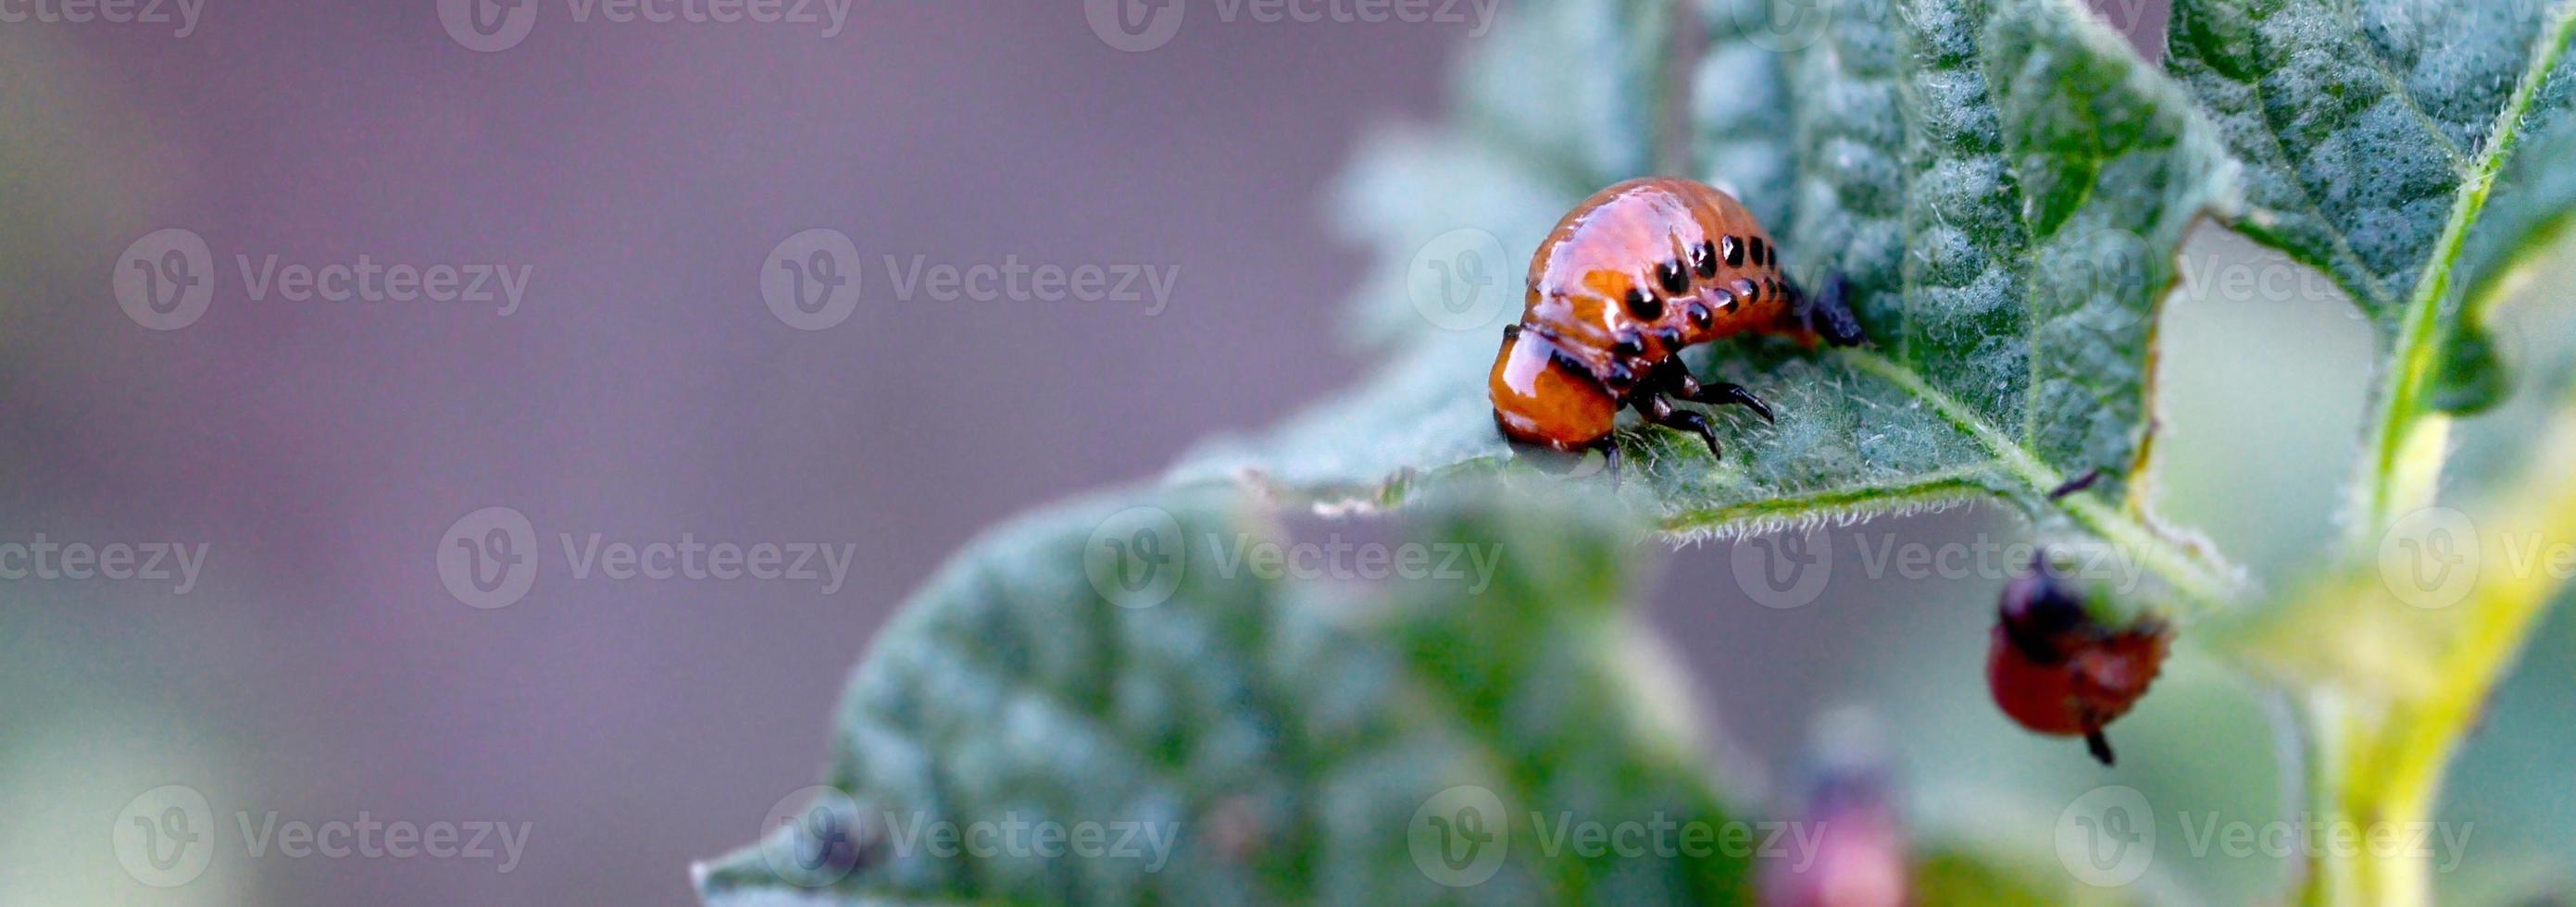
x=2054 y=670
x=1618 y=240
x=1628 y=279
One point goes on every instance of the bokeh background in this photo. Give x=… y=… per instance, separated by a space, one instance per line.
x=642 y=172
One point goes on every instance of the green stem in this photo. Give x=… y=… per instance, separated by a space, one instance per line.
x=2406 y=442
x=2401 y=685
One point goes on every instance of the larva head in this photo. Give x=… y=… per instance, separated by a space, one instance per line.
x=2056 y=670
x=2039 y=609
x=1546 y=398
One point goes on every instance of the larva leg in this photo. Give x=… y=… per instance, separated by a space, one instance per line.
x=1725 y=393
x=1660 y=411
x=1678 y=381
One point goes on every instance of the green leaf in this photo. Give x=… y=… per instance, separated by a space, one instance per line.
x=1292 y=736
x=2369 y=128
x=2004 y=183
x=2535 y=203
x=2400 y=646
x=2373 y=132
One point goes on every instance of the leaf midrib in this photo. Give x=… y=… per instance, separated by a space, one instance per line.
x=2400 y=410
x=2207 y=586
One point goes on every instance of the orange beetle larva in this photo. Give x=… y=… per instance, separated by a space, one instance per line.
x=1628 y=279
x=2055 y=670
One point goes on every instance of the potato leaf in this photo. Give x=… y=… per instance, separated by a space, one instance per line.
x=2004 y=184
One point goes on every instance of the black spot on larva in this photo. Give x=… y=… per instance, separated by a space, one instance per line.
x=1619 y=378
x=1758 y=251
x=1725 y=300
x=1771 y=256
x=1704 y=259
x=1670 y=338
x=1699 y=314
x=1644 y=305
x=1672 y=277
x=1734 y=253
x=1627 y=343
x=1749 y=291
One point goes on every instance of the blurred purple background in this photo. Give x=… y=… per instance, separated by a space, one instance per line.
x=643 y=174
x=643 y=171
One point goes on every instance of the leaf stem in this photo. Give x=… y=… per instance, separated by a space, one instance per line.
x=2406 y=682
x=2407 y=444
x=2206 y=585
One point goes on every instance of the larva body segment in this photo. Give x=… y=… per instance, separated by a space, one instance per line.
x=1627 y=280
